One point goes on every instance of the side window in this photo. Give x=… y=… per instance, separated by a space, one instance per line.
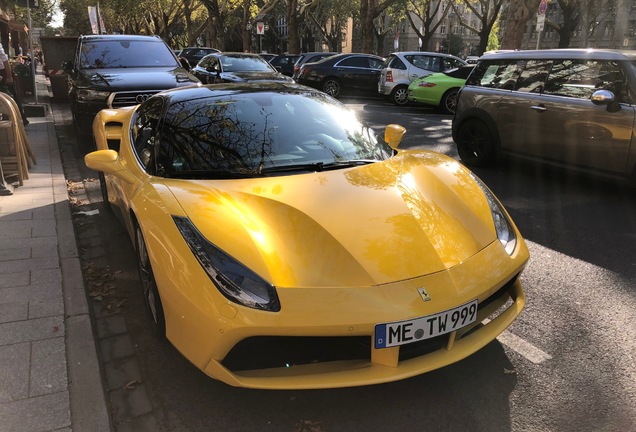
x=397 y=63
x=533 y=76
x=501 y=75
x=581 y=78
x=451 y=64
x=205 y=62
x=375 y=64
x=145 y=130
x=360 y=62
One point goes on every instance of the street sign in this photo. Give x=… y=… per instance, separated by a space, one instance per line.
x=543 y=6
x=260 y=28
x=540 y=22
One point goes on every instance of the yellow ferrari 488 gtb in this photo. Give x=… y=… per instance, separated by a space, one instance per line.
x=283 y=245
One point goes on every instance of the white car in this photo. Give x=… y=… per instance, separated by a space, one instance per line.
x=402 y=68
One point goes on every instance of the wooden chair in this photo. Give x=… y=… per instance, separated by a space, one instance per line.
x=16 y=154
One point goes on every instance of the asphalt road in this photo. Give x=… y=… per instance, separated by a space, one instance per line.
x=567 y=364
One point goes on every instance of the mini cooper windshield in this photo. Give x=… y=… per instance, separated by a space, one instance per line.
x=266 y=133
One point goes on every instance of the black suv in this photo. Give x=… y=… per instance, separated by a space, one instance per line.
x=113 y=71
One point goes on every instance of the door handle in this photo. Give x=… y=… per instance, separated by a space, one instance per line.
x=540 y=108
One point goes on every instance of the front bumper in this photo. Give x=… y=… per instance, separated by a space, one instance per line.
x=235 y=344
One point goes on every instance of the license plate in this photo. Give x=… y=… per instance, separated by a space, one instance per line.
x=404 y=332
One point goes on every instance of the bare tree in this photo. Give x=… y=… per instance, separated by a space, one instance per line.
x=518 y=14
x=431 y=14
x=486 y=11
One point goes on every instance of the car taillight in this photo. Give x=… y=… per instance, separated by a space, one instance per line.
x=426 y=84
x=296 y=69
x=389 y=76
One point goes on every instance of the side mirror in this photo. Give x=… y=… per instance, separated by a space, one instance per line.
x=393 y=135
x=607 y=98
x=67 y=65
x=107 y=161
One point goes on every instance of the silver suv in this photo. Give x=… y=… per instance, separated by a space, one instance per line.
x=573 y=107
x=402 y=68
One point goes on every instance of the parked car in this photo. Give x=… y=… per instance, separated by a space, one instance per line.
x=343 y=73
x=309 y=57
x=284 y=63
x=236 y=67
x=283 y=245
x=112 y=71
x=267 y=56
x=472 y=59
x=401 y=68
x=440 y=89
x=574 y=108
x=194 y=54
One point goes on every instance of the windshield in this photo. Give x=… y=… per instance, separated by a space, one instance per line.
x=245 y=64
x=264 y=133
x=106 y=54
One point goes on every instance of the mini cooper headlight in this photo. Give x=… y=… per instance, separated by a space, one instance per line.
x=503 y=225
x=235 y=281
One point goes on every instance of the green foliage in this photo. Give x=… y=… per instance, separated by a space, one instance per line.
x=493 y=38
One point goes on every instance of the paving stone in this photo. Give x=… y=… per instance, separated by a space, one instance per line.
x=145 y=423
x=15 y=254
x=14 y=372
x=41 y=309
x=14 y=279
x=43 y=413
x=116 y=347
x=44 y=228
x=127 y=404
x=13 y=312
x=31 y=330
x=110 y=325
x=48 y=367
x=47 y=276
x=27 y=293
x=16 y=229
x=30 y=264
x=123 y=371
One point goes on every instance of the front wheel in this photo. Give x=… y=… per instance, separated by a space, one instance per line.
x=449 y=101
x=400 y=95
x=331 y=86
x=149 y=286
x=475 y=143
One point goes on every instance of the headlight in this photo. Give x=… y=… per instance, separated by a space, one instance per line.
x=92 y=95
x=503 y=225
x=235 y=281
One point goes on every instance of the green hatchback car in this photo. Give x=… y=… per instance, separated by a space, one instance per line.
x=440 y=89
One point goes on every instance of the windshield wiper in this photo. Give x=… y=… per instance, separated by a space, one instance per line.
x=209 y=174
x=317 y=166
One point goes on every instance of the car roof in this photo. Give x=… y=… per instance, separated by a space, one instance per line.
x=423 y=52
x=197 y=91
x=560 y=53
x=121 y=37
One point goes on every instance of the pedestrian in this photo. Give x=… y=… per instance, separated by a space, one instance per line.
x=7 y=85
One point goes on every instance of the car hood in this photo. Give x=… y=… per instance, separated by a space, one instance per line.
x=416 y=214
x=254 y=76
x=136 y=78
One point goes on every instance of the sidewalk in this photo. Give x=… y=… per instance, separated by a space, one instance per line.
x=49 y=370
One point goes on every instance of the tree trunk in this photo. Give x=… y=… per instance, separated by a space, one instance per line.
x=293 y=43
x=519 y=13
x=245 y=33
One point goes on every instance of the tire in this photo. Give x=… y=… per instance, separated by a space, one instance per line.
x=400 y=95
x=104 y=189
x=448 y=103
x=331 y=86
x=475 y=143
x=152 y=299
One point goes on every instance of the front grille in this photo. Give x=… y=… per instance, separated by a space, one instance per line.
x=262 y=352
x=122 y=99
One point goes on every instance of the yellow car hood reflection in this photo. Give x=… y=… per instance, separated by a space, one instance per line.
x=416 y=214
